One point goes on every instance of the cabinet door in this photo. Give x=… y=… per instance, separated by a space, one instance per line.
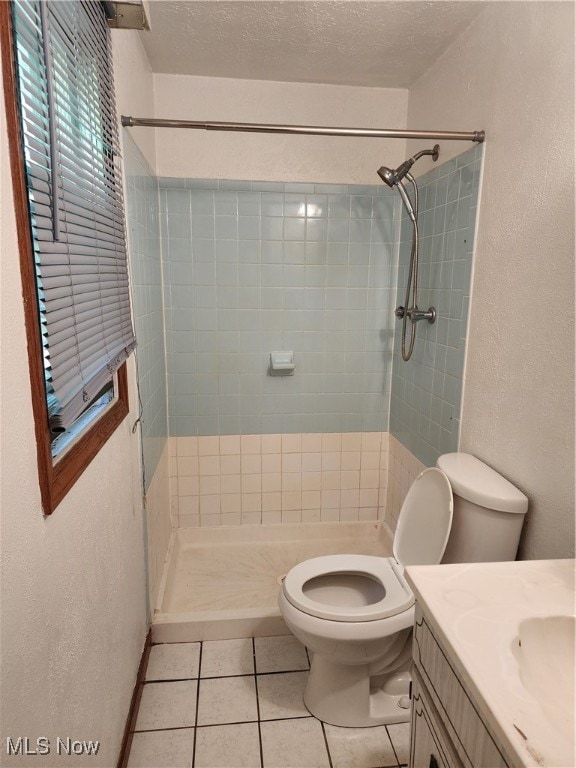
x=430 y=746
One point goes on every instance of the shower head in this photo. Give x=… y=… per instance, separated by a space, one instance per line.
x=391 y=177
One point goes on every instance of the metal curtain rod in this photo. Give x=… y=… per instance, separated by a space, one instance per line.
x=311 y=130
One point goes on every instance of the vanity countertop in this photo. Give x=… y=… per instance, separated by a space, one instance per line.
x=475 y=610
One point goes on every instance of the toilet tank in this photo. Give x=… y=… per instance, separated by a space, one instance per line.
x=488 y=512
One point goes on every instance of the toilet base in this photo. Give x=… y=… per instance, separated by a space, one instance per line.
x=347 y=696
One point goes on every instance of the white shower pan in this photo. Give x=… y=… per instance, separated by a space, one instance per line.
x=222 y=583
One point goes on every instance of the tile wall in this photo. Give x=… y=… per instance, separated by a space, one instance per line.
x=279 y=478
x=403 y=469
x=426 y=395
x=143 y=224
x=252 y=267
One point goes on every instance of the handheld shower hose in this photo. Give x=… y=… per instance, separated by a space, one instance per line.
x=410 y=309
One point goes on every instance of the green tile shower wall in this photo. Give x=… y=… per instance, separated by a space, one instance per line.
x=143 y=223
x=426 y=395
x=252 y=267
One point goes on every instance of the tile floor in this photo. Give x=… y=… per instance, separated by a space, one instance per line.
x=239 y=704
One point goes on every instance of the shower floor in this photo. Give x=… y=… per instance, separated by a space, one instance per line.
x=223 y=583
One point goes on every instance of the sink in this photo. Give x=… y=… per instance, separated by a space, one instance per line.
x=545 y=650
x=509 y=628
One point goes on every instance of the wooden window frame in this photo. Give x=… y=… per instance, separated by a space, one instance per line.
x=56 y=478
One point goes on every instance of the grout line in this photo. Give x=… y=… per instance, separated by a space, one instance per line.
x=219 y=725
x=197 y=705
x=393 y=747
x=172 y=728
x=257 y=703
x=284 y=719
x=171 y=680
x=326 y=744
x=242 y=674
x=282 y=672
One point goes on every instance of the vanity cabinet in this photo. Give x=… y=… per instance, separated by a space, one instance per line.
x=447 y=729
x=431 y=746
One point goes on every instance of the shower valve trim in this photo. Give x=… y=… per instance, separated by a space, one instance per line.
x=416 y=314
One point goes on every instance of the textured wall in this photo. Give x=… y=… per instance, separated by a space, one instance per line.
x=255 y=267
x=134 y=86
x=211 y=154
x=518 y=413
x=73 y=585
x=426 y=395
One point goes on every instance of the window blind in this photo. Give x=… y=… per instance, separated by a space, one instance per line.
x=68 y=119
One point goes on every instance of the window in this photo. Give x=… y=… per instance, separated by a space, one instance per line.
x=65 y=165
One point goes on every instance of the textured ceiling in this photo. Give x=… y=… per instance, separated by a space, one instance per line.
x=347 y=42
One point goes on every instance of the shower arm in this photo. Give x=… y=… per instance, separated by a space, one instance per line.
x=310 y=130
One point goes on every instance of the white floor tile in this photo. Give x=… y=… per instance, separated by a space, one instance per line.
x=227 y=657
x=360 y=747
x=280 y=654
x=294 y=744
x=227 y=700
x=173 y=661
x=167 y=705
x=162 y=749
x=228 y=746
x=282 y=695
x=400 y=735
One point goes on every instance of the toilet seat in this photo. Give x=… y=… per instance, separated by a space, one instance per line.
x=425 y=520
x=358 y=588
x=355 y=578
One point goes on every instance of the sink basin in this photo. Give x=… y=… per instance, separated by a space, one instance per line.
x=545 y=650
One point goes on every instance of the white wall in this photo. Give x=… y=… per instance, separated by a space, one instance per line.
x=512 y=74
x=134 y=86
x=257 y=156
x=73 y=584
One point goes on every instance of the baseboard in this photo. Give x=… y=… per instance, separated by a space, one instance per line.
x=134 y=704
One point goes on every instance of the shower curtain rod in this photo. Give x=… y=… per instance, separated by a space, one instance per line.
x=311 y=130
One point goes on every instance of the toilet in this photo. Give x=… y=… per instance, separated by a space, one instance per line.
x=355 y=612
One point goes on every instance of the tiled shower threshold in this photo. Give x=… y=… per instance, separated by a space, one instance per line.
x=222 y=583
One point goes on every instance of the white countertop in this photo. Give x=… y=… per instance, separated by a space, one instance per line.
x=475 y=610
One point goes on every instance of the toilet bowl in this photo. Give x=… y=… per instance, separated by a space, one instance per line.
x=355 y=612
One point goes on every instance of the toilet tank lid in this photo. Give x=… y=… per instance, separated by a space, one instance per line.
x=475 y=481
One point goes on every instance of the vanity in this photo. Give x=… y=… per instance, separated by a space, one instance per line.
x=493 y=665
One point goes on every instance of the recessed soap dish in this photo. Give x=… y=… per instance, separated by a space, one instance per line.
x=281 y=364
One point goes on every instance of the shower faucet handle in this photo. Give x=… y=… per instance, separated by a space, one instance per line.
x=416 y=314
x=400 y=312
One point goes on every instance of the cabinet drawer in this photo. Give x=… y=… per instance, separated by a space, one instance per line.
x=474 y=744
x=430 y=745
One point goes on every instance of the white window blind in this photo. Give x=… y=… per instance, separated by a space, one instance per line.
x=68 y=118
